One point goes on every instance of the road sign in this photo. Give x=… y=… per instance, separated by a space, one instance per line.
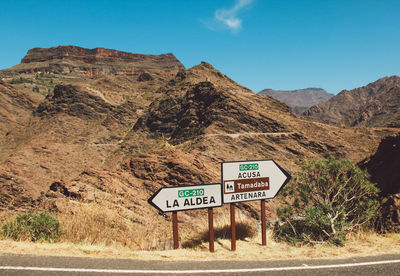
x=252 y=180
x=184 y=198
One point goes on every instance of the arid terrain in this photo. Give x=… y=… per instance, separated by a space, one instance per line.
x=90 y=135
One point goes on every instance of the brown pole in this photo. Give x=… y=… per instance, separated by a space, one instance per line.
x=263 y=223
x=211 y=228
x=233 y=227
x=175 y=229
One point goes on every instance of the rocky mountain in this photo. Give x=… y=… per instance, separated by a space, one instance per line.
x=91 y=62
x=112 y=75
x=374 y=105
x=299 y=100
x=106 y=142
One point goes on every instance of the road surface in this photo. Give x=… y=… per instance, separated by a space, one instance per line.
x=39 y=265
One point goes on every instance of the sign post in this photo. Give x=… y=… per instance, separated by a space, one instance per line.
x=248 y=181
x=183 y=198
x=211 y=229
x=233 y=227
x=263 y=224
x=175 y=229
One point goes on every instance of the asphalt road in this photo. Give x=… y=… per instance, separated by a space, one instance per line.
x=38 y=265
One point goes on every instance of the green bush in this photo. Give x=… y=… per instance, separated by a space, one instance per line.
x=325 y=201
x=33 y=227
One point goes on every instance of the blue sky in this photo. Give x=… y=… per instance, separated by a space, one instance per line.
x=279 y=44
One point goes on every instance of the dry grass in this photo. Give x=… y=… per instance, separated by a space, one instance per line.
x=94 y=224
x=100 y=231
x=361 y=245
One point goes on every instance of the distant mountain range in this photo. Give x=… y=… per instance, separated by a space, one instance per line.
x=299 y=100
x=374 y=105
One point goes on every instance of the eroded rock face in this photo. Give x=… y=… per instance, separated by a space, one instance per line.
x=184 y=117
x=71 y=100
x=374 y=105
x=15 y=108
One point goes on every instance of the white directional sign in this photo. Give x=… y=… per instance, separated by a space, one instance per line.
x=187 y=197
x=252 y=180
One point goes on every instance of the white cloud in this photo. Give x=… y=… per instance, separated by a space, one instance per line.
x=228 y=18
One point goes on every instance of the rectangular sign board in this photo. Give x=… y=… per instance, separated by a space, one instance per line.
x=183 y=198
x=251 y=180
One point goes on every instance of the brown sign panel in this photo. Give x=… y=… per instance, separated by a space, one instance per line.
x=246 y=185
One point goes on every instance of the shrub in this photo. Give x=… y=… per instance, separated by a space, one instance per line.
x=329 y=198
x=33 y=227
x=36 y=89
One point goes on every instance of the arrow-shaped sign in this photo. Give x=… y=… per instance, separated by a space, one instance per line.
x=252 y=180
x=184 y=198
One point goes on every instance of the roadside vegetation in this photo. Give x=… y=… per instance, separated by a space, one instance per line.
x=32 y=227
x=327 y=200
x=328 y=203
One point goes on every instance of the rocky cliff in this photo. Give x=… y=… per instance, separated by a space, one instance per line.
x=90 y=62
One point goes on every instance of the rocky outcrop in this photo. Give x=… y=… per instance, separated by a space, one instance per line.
x=184 y=117
x=299 y=100
x=374 y=105
x=71 y=100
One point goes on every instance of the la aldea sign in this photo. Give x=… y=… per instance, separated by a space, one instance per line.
x=241 y=181
x=183 y=198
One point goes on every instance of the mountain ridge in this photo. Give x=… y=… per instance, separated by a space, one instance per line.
x=376 y=104
x=299 y=100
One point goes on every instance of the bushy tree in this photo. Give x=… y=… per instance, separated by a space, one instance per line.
x=325 y=201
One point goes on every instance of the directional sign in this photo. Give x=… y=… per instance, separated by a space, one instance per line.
x=187 y=197
x=252 y=180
